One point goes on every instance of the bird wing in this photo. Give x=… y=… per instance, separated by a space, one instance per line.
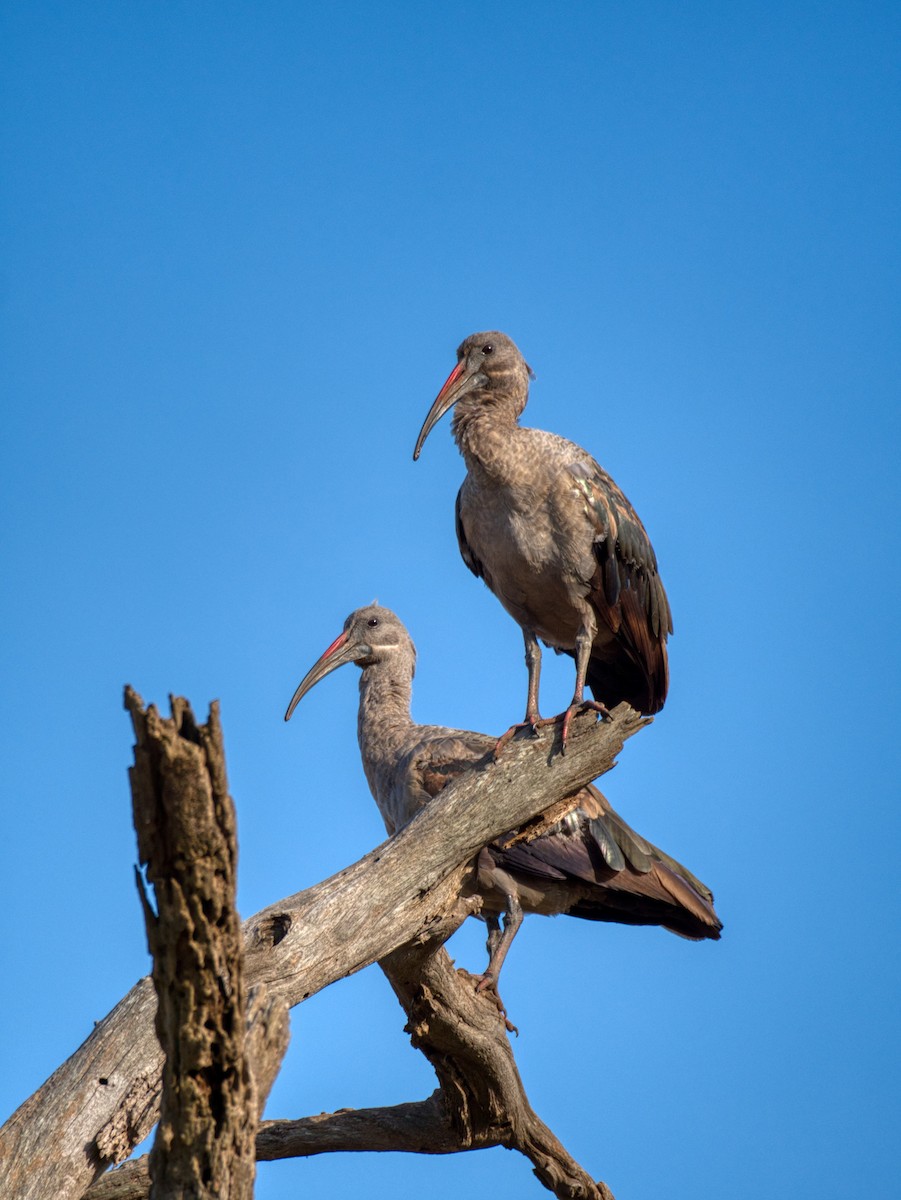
x=627 y=580
x=439 y=757
x=625 y=589
x=634 y=882
x=587 y=843
x=466 y=552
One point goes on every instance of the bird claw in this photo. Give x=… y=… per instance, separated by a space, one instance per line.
x=581 y=706
x=532 y=723
x=536 y=723
x=487 y=985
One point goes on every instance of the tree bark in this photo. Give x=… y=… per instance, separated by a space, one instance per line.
x=268 y=1032
x=188 y=845
x=102 y=1101
x=484 y=1099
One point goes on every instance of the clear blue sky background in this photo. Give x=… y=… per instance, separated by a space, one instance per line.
x=241 y=243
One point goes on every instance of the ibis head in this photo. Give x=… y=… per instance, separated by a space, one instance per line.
x=489 y=366
x=370 y=635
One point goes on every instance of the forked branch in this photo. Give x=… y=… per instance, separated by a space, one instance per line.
x=100 y=1103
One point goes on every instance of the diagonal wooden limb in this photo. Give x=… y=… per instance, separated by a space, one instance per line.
x=102 y=1101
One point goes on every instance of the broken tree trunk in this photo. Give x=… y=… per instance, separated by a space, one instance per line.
x=188 y=845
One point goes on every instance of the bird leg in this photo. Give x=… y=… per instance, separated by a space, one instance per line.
x=584 y=642
x=498 y=944
x=493 y=921
x=533 y=666
x=533 y=719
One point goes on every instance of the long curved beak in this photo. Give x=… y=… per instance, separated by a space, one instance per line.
x=458 y=383
x=341 y=651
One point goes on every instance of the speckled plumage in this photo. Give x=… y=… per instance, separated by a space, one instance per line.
x=584 y=861
x=553 y=536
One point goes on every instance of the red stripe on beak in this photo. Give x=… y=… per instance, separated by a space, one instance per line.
x=336 y=645
x=452 y=378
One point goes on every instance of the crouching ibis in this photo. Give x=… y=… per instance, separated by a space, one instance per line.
x=553 y=537
x=589 y=864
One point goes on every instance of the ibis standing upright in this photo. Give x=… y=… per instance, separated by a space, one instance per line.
x=586 y=862
x=553 y=537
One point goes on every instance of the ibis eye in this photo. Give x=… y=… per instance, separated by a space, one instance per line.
x=488 y=348
x=372 y=622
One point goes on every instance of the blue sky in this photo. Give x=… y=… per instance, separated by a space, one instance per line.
x=240 y=246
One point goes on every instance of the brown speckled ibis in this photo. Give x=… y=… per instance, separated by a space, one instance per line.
x=553 y=537
x=588 y=863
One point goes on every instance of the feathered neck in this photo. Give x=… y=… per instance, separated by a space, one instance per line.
x=383 y=720
x=485 y=426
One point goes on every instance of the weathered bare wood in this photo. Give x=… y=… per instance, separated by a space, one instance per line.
x=188 y=844
x=131 y=1181
x=268 y=1032
x=485 y=1102
x=421 y=1127
x=64 y=1135
x=480 y=1103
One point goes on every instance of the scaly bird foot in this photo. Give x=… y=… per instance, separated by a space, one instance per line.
x=532 y=722
x=583 y=705
x=487 y=984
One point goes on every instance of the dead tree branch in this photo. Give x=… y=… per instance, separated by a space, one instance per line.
x=102 y=1101
x=484 y=1099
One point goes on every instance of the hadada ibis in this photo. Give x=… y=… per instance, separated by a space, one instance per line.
x=553 y=537
x=588 y=863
